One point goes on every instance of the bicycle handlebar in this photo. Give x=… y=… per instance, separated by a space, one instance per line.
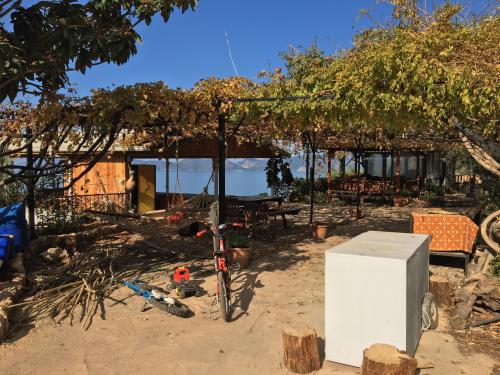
x=221 y=228
x=201 y=232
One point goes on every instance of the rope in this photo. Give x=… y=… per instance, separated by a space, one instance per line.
x=177 y=186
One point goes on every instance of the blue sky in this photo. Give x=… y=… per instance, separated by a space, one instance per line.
x=193 y=45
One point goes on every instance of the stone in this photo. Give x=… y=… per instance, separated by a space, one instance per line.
x=55 y=255
x=16 y=263
x=4 y=323
x=6 y=298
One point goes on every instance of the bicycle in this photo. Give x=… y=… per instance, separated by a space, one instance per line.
x=222 y=267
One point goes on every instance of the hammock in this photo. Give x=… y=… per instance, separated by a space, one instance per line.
x=200 y=201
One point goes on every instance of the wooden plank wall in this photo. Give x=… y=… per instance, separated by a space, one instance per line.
x=111 y=171
x=208 y=148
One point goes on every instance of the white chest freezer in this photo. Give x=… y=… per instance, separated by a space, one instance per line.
x=374 y=288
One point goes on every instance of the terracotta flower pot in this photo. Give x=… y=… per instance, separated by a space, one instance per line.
x=319 y=231
x=240 y=255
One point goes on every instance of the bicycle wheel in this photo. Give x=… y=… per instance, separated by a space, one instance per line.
x=176 y=309
x=223 y=297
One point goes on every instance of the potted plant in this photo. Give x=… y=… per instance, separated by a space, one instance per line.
x=319 y=230
x=429 y=198
x=239 y=250
x=402 y=198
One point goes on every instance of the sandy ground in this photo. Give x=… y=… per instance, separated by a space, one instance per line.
x=284 y=287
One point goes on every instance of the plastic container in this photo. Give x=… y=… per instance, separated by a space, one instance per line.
x=13 y=221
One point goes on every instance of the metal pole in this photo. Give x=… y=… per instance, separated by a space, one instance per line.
x=222 y=167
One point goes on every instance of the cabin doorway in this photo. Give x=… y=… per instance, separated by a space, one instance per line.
x=145 y=187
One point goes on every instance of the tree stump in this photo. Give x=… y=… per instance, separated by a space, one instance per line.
x=300 y=350
x=442 y=291
x=383 y=359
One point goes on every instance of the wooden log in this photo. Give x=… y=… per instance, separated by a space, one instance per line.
x=383 y=359
x=442 y=291
x=300 y=350
x=465 y=302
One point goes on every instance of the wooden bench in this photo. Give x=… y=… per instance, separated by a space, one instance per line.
x=283 y=212
x=351 y=196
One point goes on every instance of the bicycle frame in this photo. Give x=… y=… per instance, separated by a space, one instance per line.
x=221 y=260
x=135 y=286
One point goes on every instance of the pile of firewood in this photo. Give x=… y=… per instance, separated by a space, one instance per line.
x=480 y=293
x=75 y=289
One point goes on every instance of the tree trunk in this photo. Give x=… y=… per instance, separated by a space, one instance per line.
x=442 y=291
x=383 y=359
x=484 y=231
x=480 y=155
x=300 y=350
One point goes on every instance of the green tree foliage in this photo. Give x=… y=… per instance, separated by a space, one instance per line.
x=44 y=40
x=416 y=75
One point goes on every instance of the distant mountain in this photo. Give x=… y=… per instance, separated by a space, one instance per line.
x=251 y=164
x=297 y=164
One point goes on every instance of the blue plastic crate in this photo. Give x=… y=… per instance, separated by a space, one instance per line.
x=13 y=222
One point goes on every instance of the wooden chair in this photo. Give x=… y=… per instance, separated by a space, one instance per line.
x=257 y=218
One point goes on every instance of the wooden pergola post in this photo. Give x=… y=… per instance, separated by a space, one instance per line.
x=312 y=141
x=215 y=168
x=398 y=171
x=167 y=178
x=342 y=165
x=329 y=156
x=418 y=172
x=423 y=182
x=221 y=133
x=358 y=187
x=30 y=186
x=384 y=166
x=307 y=162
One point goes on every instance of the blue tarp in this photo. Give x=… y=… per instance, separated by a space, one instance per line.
x=4 y=248
x=13 y=222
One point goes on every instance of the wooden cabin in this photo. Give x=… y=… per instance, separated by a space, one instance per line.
x=108 y=178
